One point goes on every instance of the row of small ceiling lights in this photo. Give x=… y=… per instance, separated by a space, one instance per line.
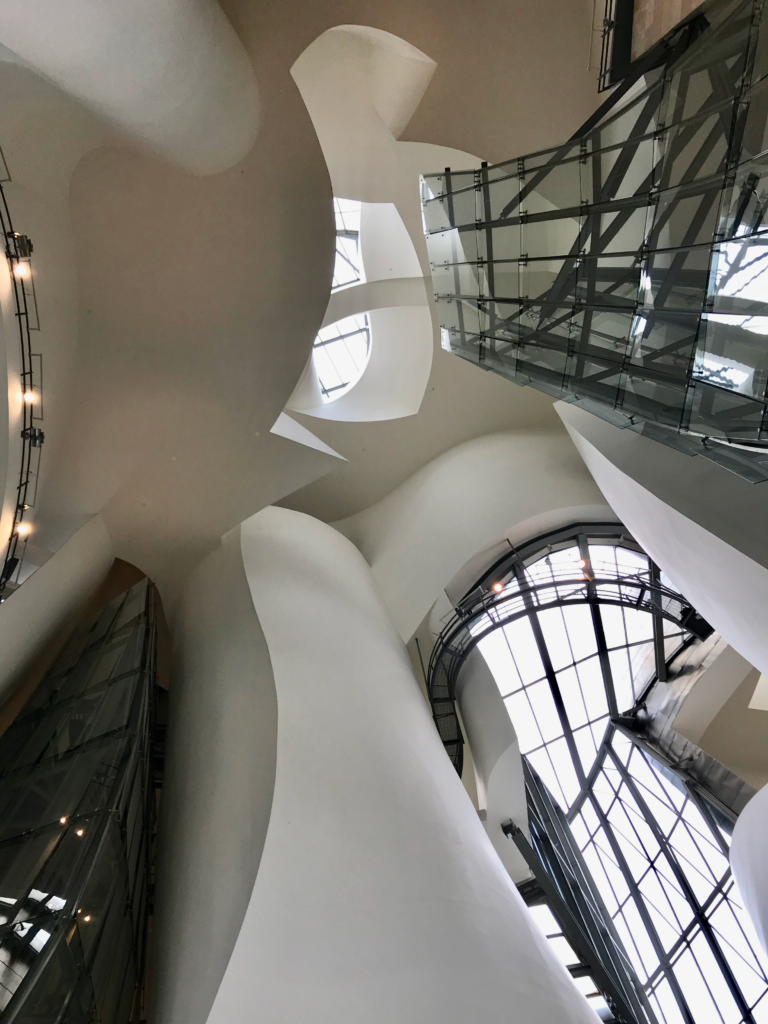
x=18 y=250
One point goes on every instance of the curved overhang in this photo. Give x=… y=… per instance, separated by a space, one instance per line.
x=174 y=77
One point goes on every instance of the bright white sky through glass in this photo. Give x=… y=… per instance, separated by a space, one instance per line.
x=513 y=656
x=657 y=857
x=348 y=266
x=340 y=354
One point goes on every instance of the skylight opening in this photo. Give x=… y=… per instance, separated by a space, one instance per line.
x=341 y=354
x=568 y=666
x=348 y=267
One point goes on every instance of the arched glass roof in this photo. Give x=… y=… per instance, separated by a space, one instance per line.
x=576 y=629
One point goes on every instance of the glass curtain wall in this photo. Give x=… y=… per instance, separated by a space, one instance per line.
x=625 y=271
x=575 y=631
x=76 y=821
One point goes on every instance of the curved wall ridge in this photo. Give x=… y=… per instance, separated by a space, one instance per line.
x=377 y=881
x=749 y=864
x=418 y=536
x=219 y=781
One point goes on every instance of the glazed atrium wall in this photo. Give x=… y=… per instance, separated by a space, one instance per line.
x=627 y=841
x=625 y=270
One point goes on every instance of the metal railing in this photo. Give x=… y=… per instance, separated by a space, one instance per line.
x=18 y=252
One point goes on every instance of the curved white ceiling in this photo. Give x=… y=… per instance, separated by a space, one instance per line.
x=173 y=75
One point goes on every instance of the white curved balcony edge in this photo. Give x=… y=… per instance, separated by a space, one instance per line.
x=173 y=76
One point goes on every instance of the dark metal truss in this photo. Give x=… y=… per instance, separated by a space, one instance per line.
x=482 y=610
x=77 y=815
x=604 y=272
x=18 y=250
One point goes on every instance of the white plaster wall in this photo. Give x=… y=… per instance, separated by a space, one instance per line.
x=34 y=613
x=496 y=753
x=386 y=248
x=379 y=896
x=725 y=586
x=749 y=863
x=173 y=76
x=421 y=534
x=716 y=684
x=219 y=780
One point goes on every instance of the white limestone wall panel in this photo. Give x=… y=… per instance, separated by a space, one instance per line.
x=378 y=897
x=496 y=753
x=34 y=613
x=724 y=585
x=424 y=531
x=218 y=786
x=749 y=862
x=172 y=76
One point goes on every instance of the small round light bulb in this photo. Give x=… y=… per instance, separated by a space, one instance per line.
x=497 y=587
x=23 y=529
x=29 y=397
x=21 y=270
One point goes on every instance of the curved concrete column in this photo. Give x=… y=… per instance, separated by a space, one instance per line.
x=424 y=531
x=497 y=759
x=174 y=75
x=749 y=863
x=35 y=612
x=218 y=787
x=378 y=896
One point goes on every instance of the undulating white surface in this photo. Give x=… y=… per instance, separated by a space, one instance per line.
x=284 y=426
x=218 y=785
x=725 y=586
x=715 y=685
x=173 y=76
x=385 y=244
x=33 y=614
x=759 y=700
x=379 y=896
x=496 y=754
x=421 y=534
x=749 y=862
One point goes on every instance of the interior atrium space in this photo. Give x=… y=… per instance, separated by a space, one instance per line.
x=383 y=507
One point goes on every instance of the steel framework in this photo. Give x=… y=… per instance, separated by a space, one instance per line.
x=624 y=270
x=77 y=807
x=632 y=859
x=18 y=250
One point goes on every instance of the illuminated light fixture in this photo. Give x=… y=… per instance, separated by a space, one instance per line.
x=23 y=529
x=81 y=831
x=21 y=270
x=497 y=587
x=80 y=910
x=87 y=917
x=582 y=563
x=29 y=397
x=63 y=821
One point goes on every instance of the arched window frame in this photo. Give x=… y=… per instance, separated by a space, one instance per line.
x=701 y=974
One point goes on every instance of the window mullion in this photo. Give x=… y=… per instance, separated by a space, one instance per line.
x=706 y=927
x=551 y=676
x=639 y=902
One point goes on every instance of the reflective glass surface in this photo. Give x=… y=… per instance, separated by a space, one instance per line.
x=75 y=825
x=642 y=214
